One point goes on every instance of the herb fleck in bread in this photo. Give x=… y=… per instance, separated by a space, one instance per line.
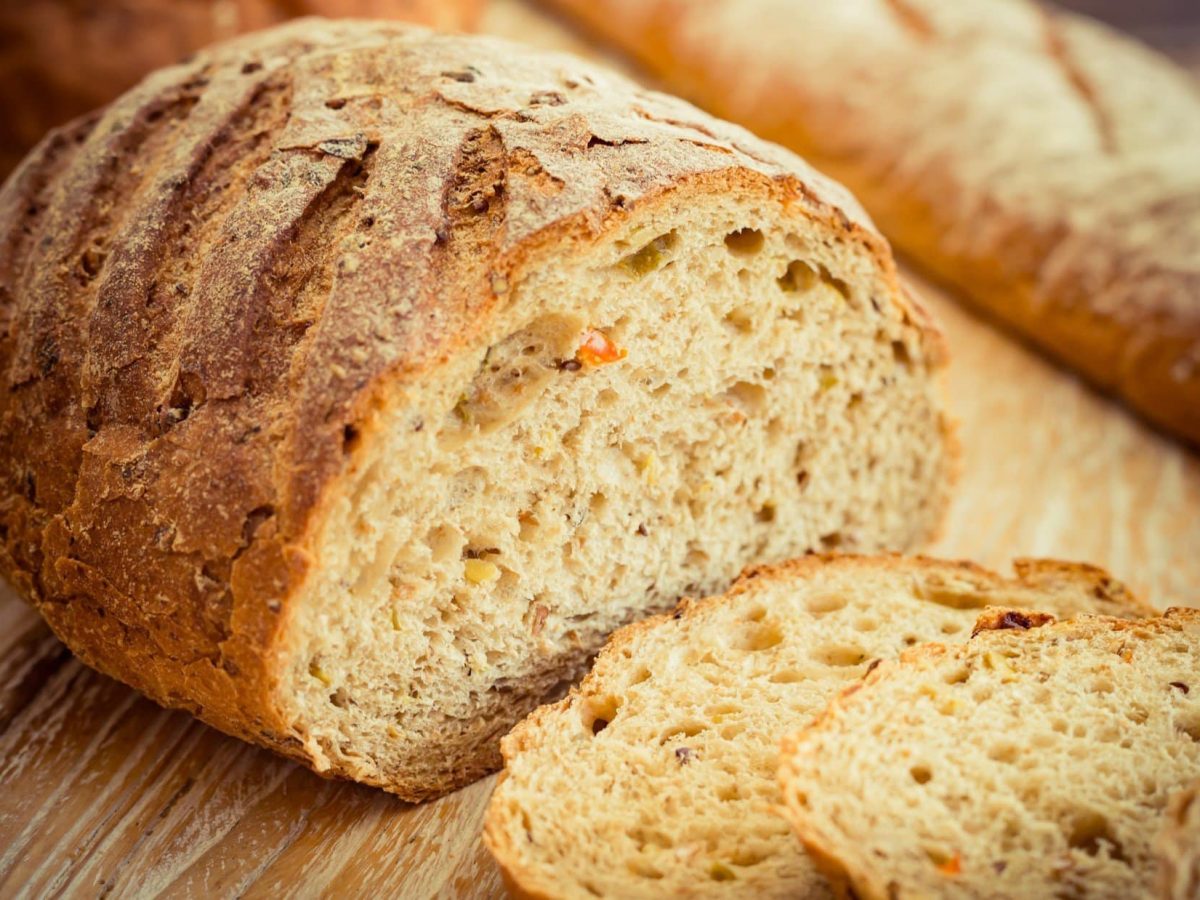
x=1178 y=845
x=657 y=777
x=358 y=381
x=1040 y=162
x=1031 y=762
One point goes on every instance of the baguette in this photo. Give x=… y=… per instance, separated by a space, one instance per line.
x=61 y=58
x=657 y=777
x=358 y=381
x=1034 y=761
x=1042 y=164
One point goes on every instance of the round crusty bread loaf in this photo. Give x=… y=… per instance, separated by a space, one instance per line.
x=657 y=777
x=61 y=58
x=1036 y=760
x=359 y=380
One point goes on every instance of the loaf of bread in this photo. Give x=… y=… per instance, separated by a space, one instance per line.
x=1042 y=164
x=1178 y=846
x=62 y=58
x=358 y=381
x=1034 y=761
x=657 y=777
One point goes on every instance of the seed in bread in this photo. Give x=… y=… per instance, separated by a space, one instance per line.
x=358 y=381
x=1034 y=761
x=657 y=777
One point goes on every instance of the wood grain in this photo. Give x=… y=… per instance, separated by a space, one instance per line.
x=104 y=794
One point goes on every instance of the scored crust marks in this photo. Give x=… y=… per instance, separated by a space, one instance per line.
x=1059 y=51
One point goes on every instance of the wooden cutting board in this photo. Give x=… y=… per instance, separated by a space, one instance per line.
x=102 y=792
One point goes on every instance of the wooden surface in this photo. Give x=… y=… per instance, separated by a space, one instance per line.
x=104 y=794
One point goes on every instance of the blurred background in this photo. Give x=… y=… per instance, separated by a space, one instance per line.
x=61 y=58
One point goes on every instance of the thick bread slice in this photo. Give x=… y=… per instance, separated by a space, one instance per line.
x=358 y=381
x=1178 y=846
x=62 y=58
x=656 y=777
x=1038 y=161
x=1034 y=761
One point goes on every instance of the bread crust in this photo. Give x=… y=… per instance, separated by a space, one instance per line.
x=213 y=290
x=1041 y=164
x=853 y=880
x=1035 y=574
x=38 y=92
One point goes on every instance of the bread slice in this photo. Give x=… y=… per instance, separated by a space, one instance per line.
x=1036 y=760
x=1178 y=845
x=357 y=381
x=1042 y=163
x=657 y=776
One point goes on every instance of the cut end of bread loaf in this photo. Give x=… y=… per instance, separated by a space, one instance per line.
x=456 y=357
x=695 y=392
x=1036 y=760
x=657 y=776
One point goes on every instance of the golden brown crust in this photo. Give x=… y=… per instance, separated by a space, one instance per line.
x=1064 y=199
x=111 y=45
x=209 y=291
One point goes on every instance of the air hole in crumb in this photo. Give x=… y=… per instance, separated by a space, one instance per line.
x=826 y=603
x=756 y=614
x=350 y=438
x=1091 y=832
x=900 y=353
x=598 y=725
x=762 y=636
x=1004 y=753
x=721 y=872
x=740 y=319
x=688 y=729
x=598 y=503
x=840 y=655
x=921 y=774
x=951 y=627
x=607 y=398
x=528 y=525
x=643 y=675
x=958 y=676
x=799 y=277
x=749 y=397
x=836 y=283
x=766 y=513
x=787 y=676
x=744 y=241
